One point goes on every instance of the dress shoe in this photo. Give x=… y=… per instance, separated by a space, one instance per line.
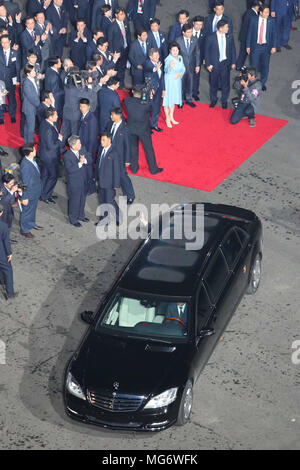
x=38 y=227
x=13 y=120
x=191 y=104
x=212 y=104
x=13 y=241
x=196 y=98
x=54 y=197
x=1 y=121
x=84 y=220
x=288 y=47
x=224 y=105
x=27 y=235
x=157 y=129
x=3 y=153
x=45 y=201
x=78 y=224
x=130 y=201
x=50 y=199
x=264 y=88
x=180 y=106
x=159 y=170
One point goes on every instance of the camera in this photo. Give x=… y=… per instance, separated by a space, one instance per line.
x=21 y=186
x=244 y=73
x=147 y=91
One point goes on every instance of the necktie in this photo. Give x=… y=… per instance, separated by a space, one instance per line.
x=102 y=157
x=157 y=39
x=222 y=47
x=188 y=46
x=6 y=58
x=32 y=34
x=36 y=165
x=59 y=14
x=215 y=25
x=180 y=311
x=144 y=48
x=113 y=129
x=261 y=32
x=123 y=33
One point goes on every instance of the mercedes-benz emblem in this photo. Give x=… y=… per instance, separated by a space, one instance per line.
x=116 y=385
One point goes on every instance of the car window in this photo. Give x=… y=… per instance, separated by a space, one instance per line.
x=204 y=308
x=216 y=275
x=231 y=247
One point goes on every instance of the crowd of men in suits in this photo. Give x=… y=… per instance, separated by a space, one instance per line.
x=73 y=101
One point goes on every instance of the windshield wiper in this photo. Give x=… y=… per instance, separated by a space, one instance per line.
x=147 y=338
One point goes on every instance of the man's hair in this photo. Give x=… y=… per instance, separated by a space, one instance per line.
x=221 y=23
x=90 y=65
x=154 y=21
x=219 y=4
x=117 y=111
x=252 y=71
x=49 y=112
x=7 y=178
x=96 y=31
x=186 y=27
x=105 y=8
x=38 y=12
x=28 y=18
x=102 y=41
x=141 y=31
x=53 y=60
x=6 y=36
x=137 y=89
x=256 y=3
x=112 y=81
x=80 y=20
x=27 y=149
x=263 y=7
x=45 y=95
x=2 y=29
x=28 y=68
x=119 y=10
x=152 y=51
x=106 y=134
x=97 y=57
x=66 y=60
x=198 y=18
x=183 y=12
x=84 y=101
x=30 y=53
x=72 y=140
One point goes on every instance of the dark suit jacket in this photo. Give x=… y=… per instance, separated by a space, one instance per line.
x=201 y=44
x=5 y=249
x=121 y=143
x=208 y=23
x=32 y=179
x=192 y=59
x=212 y=53
x=158 y=83
x=107 y=63
x=96 y=10
x=138 y=115
x=245 y=24
x=54 y=83
x=149 y=8
x=7 y=200
x=172 y=311
x=163 y=49
x=115 y=37
x=50 y=145
x=88 y=132
x=107 y=99
x=28 y=43
x=57 y=22
x=271 y=36
x=91 y=49
x=78 y=49
x=137 y=56
x=12 y=70
x=103 y=23
x=108 y=173
x=33 y=6
x=40 y=112
x=175 y=32
x=30 y=97
x=76 y=177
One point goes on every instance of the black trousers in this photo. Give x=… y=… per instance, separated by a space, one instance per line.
x=196 y=84
x=121 y=66
x=107 y=196
x=243 y=109
x=220 y=76
x=148 y=148
x=187 y=86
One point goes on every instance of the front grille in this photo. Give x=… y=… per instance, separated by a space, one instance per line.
x=113 y=401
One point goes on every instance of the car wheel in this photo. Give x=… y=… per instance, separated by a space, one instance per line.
x=185 y=404
x=255 y=275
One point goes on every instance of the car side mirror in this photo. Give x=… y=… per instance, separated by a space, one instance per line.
x=87 y=316
x=206 y=332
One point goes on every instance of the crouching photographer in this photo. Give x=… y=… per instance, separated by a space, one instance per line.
x=10 y=192
x=248 y=102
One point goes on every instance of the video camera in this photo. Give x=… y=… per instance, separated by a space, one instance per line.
x=147 y=91
x=14 y=169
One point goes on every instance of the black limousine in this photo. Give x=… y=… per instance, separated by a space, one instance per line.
x=155 y=330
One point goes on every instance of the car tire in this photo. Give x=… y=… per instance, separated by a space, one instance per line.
x=185 y=404
x=255 y=275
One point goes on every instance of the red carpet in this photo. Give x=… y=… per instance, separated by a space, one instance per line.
x=198 y=153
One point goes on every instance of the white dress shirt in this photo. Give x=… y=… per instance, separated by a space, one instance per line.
x=260 y=20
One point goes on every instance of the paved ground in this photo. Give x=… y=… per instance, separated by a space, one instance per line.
x=248 y=396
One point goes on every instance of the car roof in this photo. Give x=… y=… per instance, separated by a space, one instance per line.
x=165 y=267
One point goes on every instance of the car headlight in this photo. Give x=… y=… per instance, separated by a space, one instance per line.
x=164 y=399
x=74 y=387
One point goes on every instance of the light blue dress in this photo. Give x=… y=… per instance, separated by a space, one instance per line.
x=173 y=87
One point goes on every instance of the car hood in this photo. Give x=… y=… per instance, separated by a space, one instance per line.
x=140 y=367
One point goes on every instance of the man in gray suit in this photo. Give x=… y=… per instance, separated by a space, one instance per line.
x=190 y=51
x=43 y=29
x=30 y=102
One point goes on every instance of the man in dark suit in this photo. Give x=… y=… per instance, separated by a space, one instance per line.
x=109 y=61
x=9 y=190
x=12 y=27
x=220 y=58
x=280 y=10
x=88 y=133
x=140 y=12
x=190 y=53
x=175 y=32
x=250 y=13
x=176 y=310
x=58 y=17
x=119 y=40
x=30 y=41
x=49 y=152
x=47 y=100
x=138 y=118
x=212 y=4
x=262 y=42
x=31 y=178
x=212 y=19
x=108 y=172
x=138 y=55
x=33 y=6
x=5 y=258
x=157 y=39
x=10 y=73
x=104 y=20
x=199 y=34
x=91 y=47
x=79 y=41
x=76 y=160
x=97 y=6
x=30 y=102
x=121 y=143
x=153 y=70
x=108 y=98
x=54 y=83
x=43 y=29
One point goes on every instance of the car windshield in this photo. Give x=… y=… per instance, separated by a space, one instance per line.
x=146 y=316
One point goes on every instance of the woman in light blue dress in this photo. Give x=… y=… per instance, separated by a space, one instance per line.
x=174 y=71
